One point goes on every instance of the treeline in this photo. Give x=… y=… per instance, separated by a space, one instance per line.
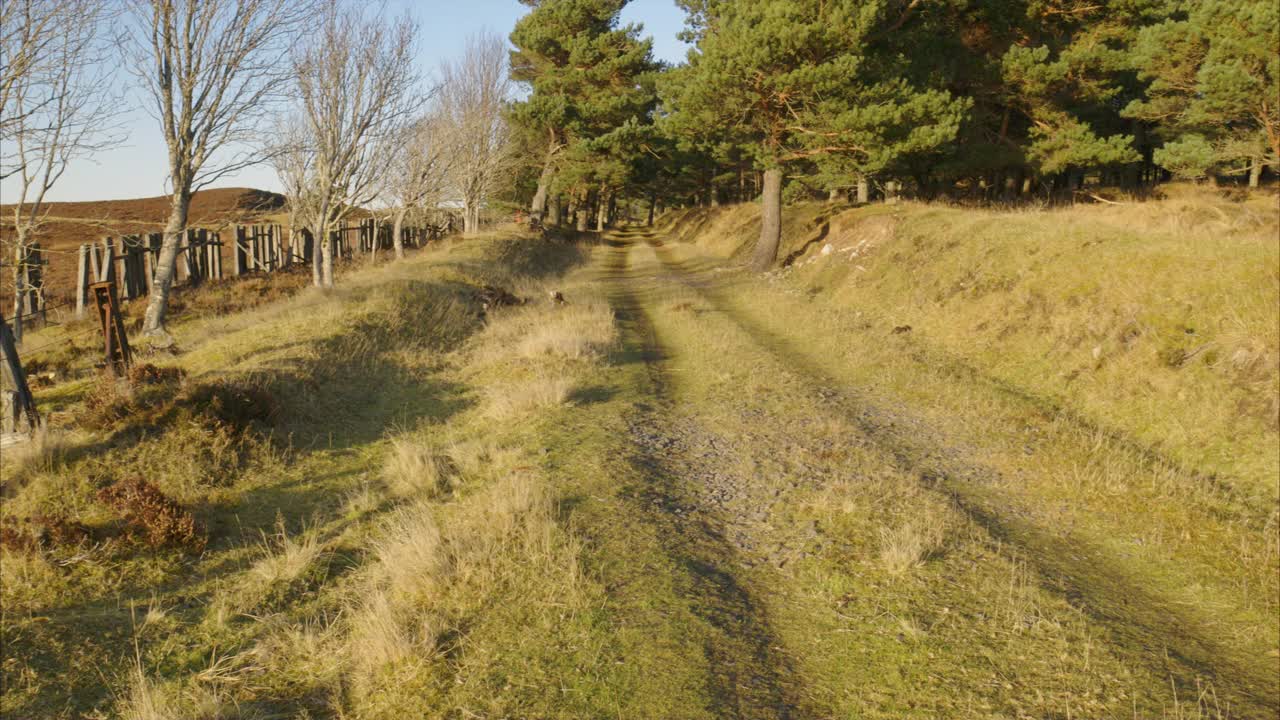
x=991 y=100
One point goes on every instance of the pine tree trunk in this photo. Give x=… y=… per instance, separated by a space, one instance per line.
x=602 y=209
x=553 y=214
x=539 y=205
x=864 y=190
x=1255 y=173
x=770 y=221
x=537 y=209
x=653 y=201
x=158 y=304
x=583 y=216
x=891 y=191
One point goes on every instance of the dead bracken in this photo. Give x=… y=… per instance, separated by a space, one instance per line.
x=152 y=517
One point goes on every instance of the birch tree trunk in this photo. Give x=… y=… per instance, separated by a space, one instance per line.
x=602 y=211
x=158 y=302
x=326 y=261
x=19 y=282
x=396 y=229
x=770 y=221
x=211 y=68
x=317 y=264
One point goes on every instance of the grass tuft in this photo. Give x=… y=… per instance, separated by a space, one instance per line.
x=415 y=469
x=908 y=545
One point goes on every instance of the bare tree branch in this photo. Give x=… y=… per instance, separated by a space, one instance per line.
x=357 y=89
x=474 y=91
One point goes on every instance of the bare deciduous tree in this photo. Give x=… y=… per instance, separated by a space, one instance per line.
x=56 y=107
x=418 y=173
x=292 y=157
x=474 y=91
x=211 y=67
x=356 y=88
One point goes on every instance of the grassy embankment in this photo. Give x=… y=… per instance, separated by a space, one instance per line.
x=1096 y=386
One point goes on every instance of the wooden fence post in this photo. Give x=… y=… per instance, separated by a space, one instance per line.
x=215 y=256
x=107 y=268
x=82 y=279
x=122 y=274
x=23 y=404
x=237 y=253
x=95 y=266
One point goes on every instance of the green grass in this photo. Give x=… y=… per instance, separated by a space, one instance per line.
x=689 y=491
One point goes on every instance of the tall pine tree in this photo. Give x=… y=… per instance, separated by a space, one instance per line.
x=800 y=79
x=583 y=73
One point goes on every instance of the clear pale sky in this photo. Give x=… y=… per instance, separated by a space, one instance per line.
x=136 y=166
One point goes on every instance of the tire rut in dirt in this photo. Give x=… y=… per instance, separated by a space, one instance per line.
x=1145 y=628
x=749 y=677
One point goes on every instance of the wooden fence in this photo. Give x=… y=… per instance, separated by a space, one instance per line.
x=131 y=260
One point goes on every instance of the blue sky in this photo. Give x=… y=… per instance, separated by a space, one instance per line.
x=136 y=167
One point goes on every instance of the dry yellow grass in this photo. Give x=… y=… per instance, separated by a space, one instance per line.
x=541 y=390
x=149 y=699
x=411 y=556
x=286 y=557
x=574 y=331
x=381 y=636
x=414 y=468
x=908 y=545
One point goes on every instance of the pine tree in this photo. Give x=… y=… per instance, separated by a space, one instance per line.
x=584 y=75
x=1065 y=84
x=802 y=79
x=1214 y=91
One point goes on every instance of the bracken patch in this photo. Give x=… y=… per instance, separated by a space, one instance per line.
x=154 y=517
x=148 y=374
